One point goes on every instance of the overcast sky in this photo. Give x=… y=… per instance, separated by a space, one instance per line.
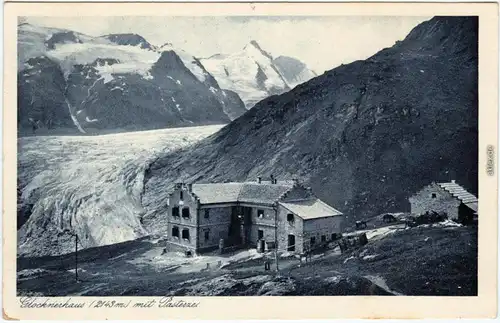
x=321 y=42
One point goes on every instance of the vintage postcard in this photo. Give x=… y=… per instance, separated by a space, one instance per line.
x=250 y=160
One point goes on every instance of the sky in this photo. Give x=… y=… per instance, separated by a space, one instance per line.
x=321 y=42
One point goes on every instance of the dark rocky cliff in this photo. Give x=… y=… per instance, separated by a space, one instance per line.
x=41 y=96
x=171 y=96
x=365 y=135
x=75 y=93
x=65 y=37
x=129 y=40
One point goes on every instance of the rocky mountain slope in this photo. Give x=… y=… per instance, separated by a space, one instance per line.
x=129 y=40
x=293 y=71
x=364 y=136
x=114 y=82
x=254 y=74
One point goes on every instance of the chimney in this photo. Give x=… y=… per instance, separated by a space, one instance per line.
x=259 y=179
x=453 y=181
x=272 y=179
x=190 y=187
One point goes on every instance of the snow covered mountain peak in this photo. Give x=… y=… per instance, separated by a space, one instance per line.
x=254 y=48
x=253 y=74
x=191 y=62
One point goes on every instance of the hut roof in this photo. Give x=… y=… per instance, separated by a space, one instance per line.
x=311 y=208
x=461 y=194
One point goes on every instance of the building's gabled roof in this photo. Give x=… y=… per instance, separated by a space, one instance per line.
x=263 y=193
x=217 y=193
x=311 y=208
x=460 y=193
x=246 y=192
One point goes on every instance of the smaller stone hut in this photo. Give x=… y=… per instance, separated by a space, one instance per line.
x=450 y=198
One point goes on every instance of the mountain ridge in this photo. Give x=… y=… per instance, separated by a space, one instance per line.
x=253 y=74
x=129 y=39
x=294 y=71
x=364 y=135
x=109 y=84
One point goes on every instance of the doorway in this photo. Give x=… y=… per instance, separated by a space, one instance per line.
x=291 y=242
x=239 y=228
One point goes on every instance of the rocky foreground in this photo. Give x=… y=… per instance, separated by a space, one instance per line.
x=426 y=260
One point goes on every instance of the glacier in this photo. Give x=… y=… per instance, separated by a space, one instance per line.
x=89 y=185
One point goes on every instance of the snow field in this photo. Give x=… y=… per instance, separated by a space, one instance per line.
x=91 y=185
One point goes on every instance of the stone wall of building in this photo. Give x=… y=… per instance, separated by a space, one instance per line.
x=434 y=198
x=268 y=234
x=191 y=242
x=322 y=229
x=216 y=221
x=214 y=215
x=286 y=228
x=182 y=198
x=266 y=223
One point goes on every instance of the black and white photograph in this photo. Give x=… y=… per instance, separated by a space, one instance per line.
x=188 y=157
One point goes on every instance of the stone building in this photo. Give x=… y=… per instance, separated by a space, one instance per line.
x=284 y=214
x=450 y=198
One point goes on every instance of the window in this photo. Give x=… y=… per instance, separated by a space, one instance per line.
x=433 y=195
x=313 y=240
x=334 y=236
x=175 y=232
x=181 y=195
x=185 y=234
x=290 y=217
x=260 y=214
x=175 y=211
x=207 y=213
x=185 y=213
x=323 y=238
x=207 y=235
x=260 y=234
